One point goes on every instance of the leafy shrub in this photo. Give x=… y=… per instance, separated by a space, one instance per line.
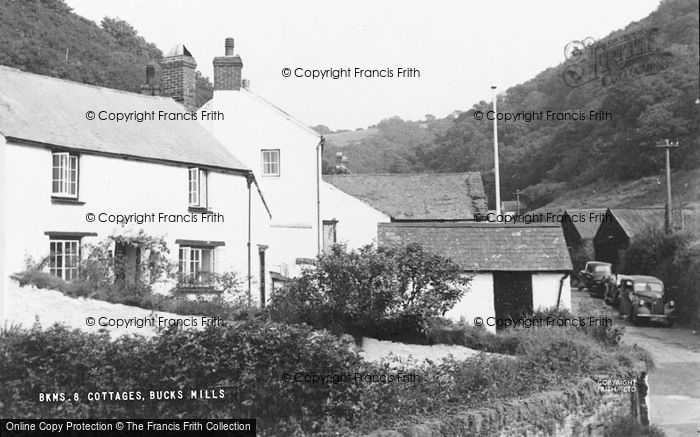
x=104 y=267
x=628 y=426
x=248 y=360
x=258 y=365
x=673 y=258
x=216 y=306
x=389 y=293
x=473 y=337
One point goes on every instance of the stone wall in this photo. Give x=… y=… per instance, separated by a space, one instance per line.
x=580 y=411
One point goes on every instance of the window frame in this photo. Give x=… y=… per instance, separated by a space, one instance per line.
x=274 y=152
x=331 y=224
x=190 y=267
x=63 y=270
x=198 y=186
x=68 y=175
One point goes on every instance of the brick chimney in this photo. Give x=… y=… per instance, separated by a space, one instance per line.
x=227 y=69
x=150 y=88
x=177 y=77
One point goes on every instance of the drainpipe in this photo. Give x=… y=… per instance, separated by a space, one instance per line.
x=319 y=154
x=249 y=180
x=561 y=285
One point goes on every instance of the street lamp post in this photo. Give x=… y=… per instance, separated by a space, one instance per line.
x=668 y=218
x=495 y=154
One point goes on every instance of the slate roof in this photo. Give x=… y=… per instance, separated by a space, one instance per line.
x=633 y=221
x=587 y=229
x=486 y=246
x=425 y=196
x=52 y=112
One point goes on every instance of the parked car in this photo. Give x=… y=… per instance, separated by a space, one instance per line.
x=642 y=297
x=597 y=278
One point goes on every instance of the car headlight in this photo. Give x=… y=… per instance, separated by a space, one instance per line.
x=671 y=303
x=642 y=301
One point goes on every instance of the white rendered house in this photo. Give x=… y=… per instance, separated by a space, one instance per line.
x=71 y=175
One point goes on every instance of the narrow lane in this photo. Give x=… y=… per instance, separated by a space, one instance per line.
x=675 y=382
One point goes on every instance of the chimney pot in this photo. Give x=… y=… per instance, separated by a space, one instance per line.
x=228 y=69
x=178 y=76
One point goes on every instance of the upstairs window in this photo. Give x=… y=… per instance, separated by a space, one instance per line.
x=65 y=175
x=271 y=162
x=198 y=188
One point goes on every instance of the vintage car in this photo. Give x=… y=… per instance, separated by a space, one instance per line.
x=597 y=278
x=642 y=297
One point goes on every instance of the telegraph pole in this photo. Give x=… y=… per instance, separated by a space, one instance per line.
x=495 y=154
x=668 y=219
x=517 y=201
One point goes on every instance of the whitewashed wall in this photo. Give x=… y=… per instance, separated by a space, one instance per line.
x=115 y=186
x=357 y=221
x=250 y=125
x=4 y=258
x=476 y=302
x=545 y=289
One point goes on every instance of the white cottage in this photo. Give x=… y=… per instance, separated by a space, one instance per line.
x=516 y=268
x=285 y=156
x=72 y=174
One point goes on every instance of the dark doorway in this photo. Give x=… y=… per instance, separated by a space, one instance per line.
x=127 y=263
x=512 y=294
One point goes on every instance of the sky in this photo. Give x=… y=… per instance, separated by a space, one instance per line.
x=460 y=47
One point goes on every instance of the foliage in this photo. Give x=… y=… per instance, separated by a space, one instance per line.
x=216 y=306
x=260 y=366
x=629 y=426
x=247 y=361
x=386 y=293
x=46 y=37
x=99 y=280
x=673 y=258
x=545 y=158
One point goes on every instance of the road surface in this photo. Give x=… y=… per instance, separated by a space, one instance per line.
x=674 y=385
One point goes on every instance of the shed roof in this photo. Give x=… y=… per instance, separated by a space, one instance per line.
x=634 y=221
x=425 y=196
x=52 y=112
x=486 y=246
x=586 y=229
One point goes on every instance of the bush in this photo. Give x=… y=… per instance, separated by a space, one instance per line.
x=388 y=293
x=511 y=341
x=261 y=368
x=628 y=426
x=215 y=306
x=248 y=360
x=673 y=258
x=473 y=337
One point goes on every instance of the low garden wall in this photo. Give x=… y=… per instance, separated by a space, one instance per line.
x=582 y=410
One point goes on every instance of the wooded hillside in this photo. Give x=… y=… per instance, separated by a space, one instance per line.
x=547 y=158
x=46 y=37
